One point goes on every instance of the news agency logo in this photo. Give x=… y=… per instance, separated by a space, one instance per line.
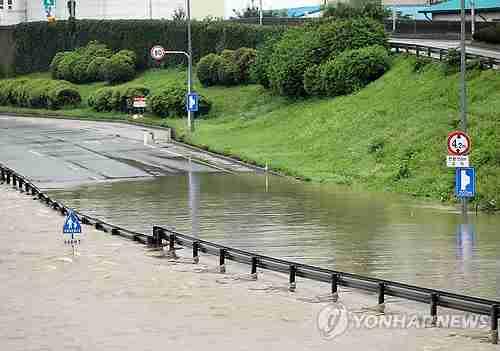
x=335 y=320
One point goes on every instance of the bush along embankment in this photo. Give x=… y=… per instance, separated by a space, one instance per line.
x=231 y=67
x=38 y=93
x=119 y=98
x=170 y=101
x=331 y=58
x=94 y=62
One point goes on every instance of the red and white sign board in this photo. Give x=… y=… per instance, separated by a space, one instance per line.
x=139 y=102
x=457 y=161
x=458 y=143
x=157 y=52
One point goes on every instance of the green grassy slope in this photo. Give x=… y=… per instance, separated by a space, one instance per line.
x=389 y=136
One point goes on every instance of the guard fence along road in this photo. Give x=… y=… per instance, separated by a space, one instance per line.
x=440 y=53
x=163 y=236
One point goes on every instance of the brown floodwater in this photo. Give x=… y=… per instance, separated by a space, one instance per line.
x=382 y=235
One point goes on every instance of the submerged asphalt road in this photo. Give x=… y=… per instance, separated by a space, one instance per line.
x=55 y=153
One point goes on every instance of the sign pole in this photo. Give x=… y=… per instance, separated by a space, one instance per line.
x=463 y=92
x=190 y=64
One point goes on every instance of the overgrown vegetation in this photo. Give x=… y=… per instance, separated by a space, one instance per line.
x=359 y=8
x=38 y=93
x=116 y=98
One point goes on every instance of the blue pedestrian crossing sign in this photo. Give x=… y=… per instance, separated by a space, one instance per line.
x=193 y=102
x=465 y=182
x=72 y=225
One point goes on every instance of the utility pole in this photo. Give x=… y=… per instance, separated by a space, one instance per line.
x=463 y=92
x=473 y=17
x=190 y=63
x=261 y=14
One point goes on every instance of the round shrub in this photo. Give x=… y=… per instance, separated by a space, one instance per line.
x=54 y=65
x=244 y=58
x=227 y=54
x=353 y=69
x=227 y=73
x=79 y=69
x=65 y=66
x=313 y=84
x=260 y=68
x=118 y=69
x=207 y=69
x=95 y=49
x=100 y=100
x=95 y=69
x=61 y=95
x=132 y=57
x=171 y=101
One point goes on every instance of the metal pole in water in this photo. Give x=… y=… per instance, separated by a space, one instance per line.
x=463 y=92
x=190 y=63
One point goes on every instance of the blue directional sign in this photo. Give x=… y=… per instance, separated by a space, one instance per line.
x=193 y=100
x=465 y=182
x=72 y=224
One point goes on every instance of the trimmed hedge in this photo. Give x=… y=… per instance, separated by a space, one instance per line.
x=38 y=93
x=115 y=98
x=489 y=34
x=38 y=42
x=171 y=102
x=302 y=48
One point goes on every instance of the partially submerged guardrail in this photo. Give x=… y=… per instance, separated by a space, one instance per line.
x=435 y=298
x=439 y=53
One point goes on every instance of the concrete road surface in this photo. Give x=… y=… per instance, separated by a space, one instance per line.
x=55 y=152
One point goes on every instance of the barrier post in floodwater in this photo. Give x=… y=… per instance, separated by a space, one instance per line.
x=222 y=260
x=495 y=310
x=171 y=243
x=434 y=304
x=253 y=271
x=196 y=257
x=292 y=284
x=381 y=297
x=335 y=286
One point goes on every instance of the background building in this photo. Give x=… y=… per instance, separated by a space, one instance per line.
x=16 y=11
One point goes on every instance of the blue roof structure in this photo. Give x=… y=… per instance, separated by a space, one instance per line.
x=302 y=11
x=413 y=11
x=453 y=6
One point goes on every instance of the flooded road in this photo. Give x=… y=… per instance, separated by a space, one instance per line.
x=380 y=235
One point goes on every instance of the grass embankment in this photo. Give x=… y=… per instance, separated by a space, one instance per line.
x=389 y=136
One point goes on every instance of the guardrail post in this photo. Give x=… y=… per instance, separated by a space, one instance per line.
x=292 y=285
x=2 y=175
x=381 y=297
x=407 y=48
x=222 y=260
x=417 y=50
x=434 y=305
x=335 y=286
x=20 y=182
x=428 y=51
x=171 y=242
x=494 y=324
x=14 y=180
x=253 y=271
x=397 y=49
x=196 y=257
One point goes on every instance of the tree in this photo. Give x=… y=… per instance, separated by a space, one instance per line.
x=251 y=11
x=179 y=14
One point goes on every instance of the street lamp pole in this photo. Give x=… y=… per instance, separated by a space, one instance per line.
x=190 y=63
x=463 y=92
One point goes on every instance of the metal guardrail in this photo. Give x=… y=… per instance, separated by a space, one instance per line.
x=439 y=53
x=435 y=298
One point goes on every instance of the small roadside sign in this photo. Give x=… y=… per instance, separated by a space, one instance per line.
x=157 y=52
x=193 y=102
x=457 y=161
x=465 y=182
x=139 y=102
x=459 y=143
x=72 y=227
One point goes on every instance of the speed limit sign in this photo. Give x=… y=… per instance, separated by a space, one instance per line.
x=458 y=143
x=157 y=52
